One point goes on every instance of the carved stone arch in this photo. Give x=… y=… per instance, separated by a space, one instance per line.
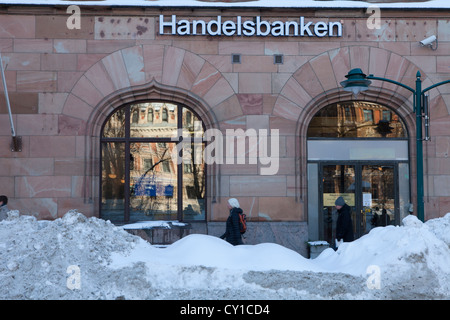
x=316 y=84
x=144 y=72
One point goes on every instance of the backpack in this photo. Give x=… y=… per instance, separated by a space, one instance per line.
x=242 y=222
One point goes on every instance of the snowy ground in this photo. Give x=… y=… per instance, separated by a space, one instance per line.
x=88 y=258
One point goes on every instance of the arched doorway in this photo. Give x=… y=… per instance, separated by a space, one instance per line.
x=149 y=169
x=357 y=150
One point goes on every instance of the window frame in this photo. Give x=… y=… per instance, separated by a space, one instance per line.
x=350 y=119
x=127 y=140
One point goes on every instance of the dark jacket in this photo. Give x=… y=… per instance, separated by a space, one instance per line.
x=3 y=212
x=344 y=225
x=232 y=232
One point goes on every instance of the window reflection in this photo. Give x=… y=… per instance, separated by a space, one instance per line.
x=356 y=119
x=113 y=180
x=153 y=119
x=115 y=125
x=145 y=176
x=153 y=182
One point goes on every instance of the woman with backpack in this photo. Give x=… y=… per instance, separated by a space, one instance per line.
x=233 y=231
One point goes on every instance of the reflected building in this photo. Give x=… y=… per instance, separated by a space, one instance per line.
x=159 y=188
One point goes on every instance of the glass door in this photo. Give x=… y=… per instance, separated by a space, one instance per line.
x=378 y=186
x=337 y=180
x=369 y=189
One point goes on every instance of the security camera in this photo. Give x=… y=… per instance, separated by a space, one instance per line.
x=429 y=42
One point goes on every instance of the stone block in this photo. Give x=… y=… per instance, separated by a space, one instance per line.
x=58 y=62
x=37 y=124
x=69 y=46
x=17 y=26
x=173 y=59
x=414 y=30
x=33 y=45
x=124 y=27
x=115 y=67
x=21 y=102
x=134 y=64
x=36 y=81
x=262 y=186
x=207 y=77
x=85 y=61
x=43 y=186
x=70 y=126
x=51 y=102
x=108 y=46
x=55 y=27
x=77 y=108
x=191 y=67
x=41 y=208
x=27 y=166
x=280 y=208
x=22 y=61
x=255 y=83
x=52 y=146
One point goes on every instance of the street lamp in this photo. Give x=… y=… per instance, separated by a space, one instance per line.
x=357 y=82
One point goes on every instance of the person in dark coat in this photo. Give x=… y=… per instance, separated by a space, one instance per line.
x=3 y=207
x=232 y=232
x=344 y=225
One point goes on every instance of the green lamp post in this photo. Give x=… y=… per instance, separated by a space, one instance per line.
x=357 y=82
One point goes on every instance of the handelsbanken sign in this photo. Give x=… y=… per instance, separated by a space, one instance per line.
x=254 y=27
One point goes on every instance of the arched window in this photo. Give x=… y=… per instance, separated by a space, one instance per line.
x=164 y=115
x=142 y=166
x=357 y=150
x=150 y=115
x=356 y=119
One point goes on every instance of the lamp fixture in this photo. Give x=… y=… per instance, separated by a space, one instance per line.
x=356 y=81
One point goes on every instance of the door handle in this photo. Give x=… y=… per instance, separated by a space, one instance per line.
x=363 y=219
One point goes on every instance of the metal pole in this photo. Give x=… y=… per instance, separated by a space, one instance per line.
x=418 y=109
x=419 y=148
x=13 y=131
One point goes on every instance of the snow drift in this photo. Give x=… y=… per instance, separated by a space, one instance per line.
x=75 y=257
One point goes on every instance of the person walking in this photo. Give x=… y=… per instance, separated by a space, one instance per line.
x=232 y=232
x=344 y=225
x=3 y=207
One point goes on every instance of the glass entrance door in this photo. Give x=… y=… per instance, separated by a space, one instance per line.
x=378 y=196
x=337 y=180
x=369 y=189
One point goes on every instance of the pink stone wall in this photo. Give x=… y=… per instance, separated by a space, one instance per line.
x=63 y=83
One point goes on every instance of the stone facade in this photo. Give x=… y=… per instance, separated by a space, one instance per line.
x=63 y=83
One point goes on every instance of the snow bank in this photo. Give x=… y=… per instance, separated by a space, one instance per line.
x=45 y=259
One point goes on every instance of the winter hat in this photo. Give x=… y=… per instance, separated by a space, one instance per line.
x=234 y=203
x=340 y=201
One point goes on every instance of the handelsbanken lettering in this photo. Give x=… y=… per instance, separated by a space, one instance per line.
x=219 y=26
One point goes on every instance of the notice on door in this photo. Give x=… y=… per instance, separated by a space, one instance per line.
x=367 y=199
x=330 y=198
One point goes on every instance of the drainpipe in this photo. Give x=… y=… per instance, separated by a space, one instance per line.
x=16 y=144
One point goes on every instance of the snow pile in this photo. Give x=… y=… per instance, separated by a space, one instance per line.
x=36 y=256
x=414 y=257
x=153 y=224
x=75 y=257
